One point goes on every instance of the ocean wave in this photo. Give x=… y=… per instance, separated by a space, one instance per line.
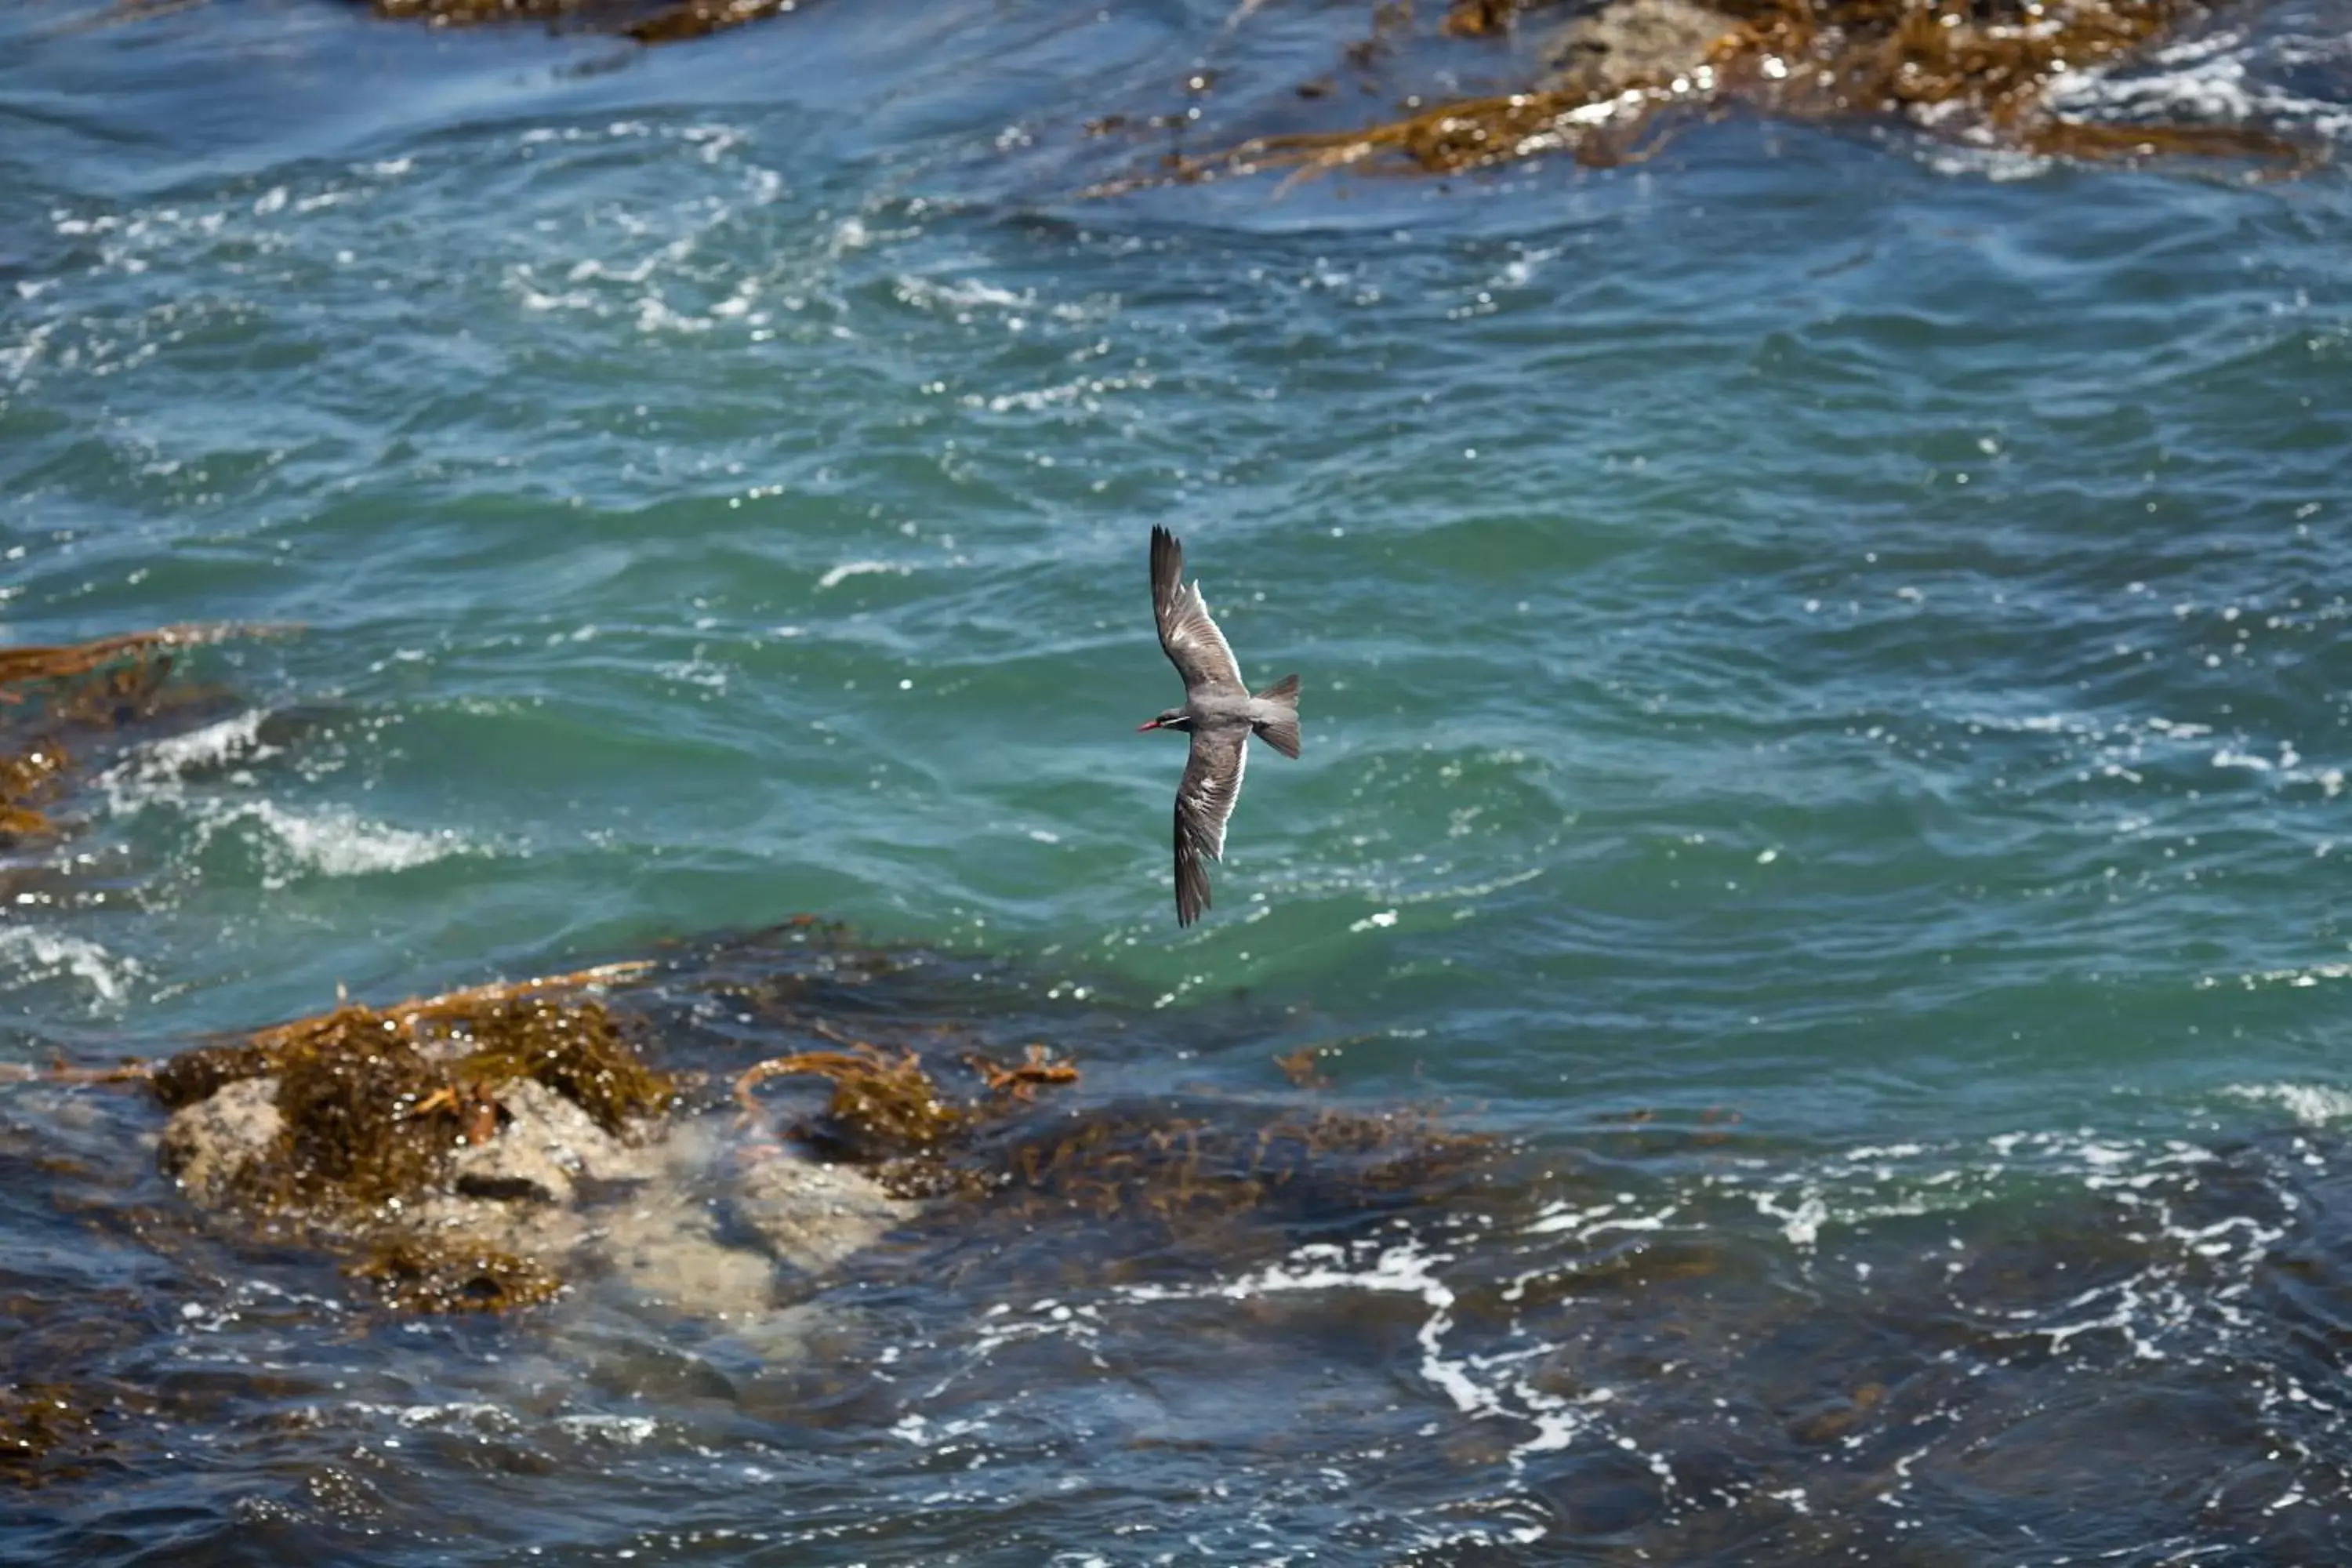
x=32 y=954
x=291 y=842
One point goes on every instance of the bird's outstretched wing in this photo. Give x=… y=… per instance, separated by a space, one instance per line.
x=1195 y=647
x=1204 y=801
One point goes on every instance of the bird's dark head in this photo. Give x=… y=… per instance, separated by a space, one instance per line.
x=1174 y=719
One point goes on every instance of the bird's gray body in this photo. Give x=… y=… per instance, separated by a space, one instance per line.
x=1212 y=709
x=1219 y=713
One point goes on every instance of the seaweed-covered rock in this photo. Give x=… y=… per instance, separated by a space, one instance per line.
x=474 y=1152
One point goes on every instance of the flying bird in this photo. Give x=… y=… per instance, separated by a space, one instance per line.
x=1219 y=714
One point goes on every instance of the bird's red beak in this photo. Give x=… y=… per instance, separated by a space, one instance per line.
x=1154 y=724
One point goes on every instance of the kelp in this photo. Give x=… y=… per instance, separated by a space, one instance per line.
x=1975 y=71
x=571 y=1046
x=699 y=18
x=1021 y=1080
x=63 y=1408
x=1178 y=1169
x=51 y=696
x=1994 y=61
x=888 y=1112
x=643 y=22
x=374 y=1099
x=27 y=779
x=40 y=1422
x=21 y=668
x=411 y=1274
x=542 y=1027
x=882 y=1107
x=1480 y=18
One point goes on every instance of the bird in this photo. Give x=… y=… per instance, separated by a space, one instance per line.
x=1219 y=713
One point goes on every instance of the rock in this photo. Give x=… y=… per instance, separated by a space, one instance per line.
x=206 y=1145
x=813 y=1215
x=474 y=1150
x=664 y=1240
x=544 y=1144
x=554 y=1196
x=1633 y=44
x=664 y=1245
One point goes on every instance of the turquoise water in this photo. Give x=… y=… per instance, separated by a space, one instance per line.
x=1822 y=630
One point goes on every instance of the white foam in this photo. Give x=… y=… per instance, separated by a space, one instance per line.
x=842 y=573
x=457 y=1413
x=237 y=739
x=1801 y=1225
x=2311 y=1104
x=1404 y=1268
x=964 y=295
x=40 y=954
x=2302 y=979
x=2208 y=79
x=1086 y=393
x=335 y=841
x=628 y=1431
x=326 y=840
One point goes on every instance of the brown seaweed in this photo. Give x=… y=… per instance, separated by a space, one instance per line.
x=1963 y=70
x=699 y=18
x=60 y=1413
x=1479 y=18
x=645 y=24
x=38 y=1419
x=888 y=1112
x=25 y=665
x=50 y=692
x=1023 y=1078
x=411 y=1274
x=572 y=1046
x=1180 y=1169
x=882 y=1108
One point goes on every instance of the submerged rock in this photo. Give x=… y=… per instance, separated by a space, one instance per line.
x=815 y=1216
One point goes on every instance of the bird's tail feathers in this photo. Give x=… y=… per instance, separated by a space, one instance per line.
x=1280 y=726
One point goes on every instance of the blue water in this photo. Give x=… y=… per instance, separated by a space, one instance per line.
x=1822 y=640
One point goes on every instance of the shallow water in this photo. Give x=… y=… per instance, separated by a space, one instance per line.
x=1826 y=710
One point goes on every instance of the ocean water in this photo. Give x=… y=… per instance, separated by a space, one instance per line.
x=1827 y=702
